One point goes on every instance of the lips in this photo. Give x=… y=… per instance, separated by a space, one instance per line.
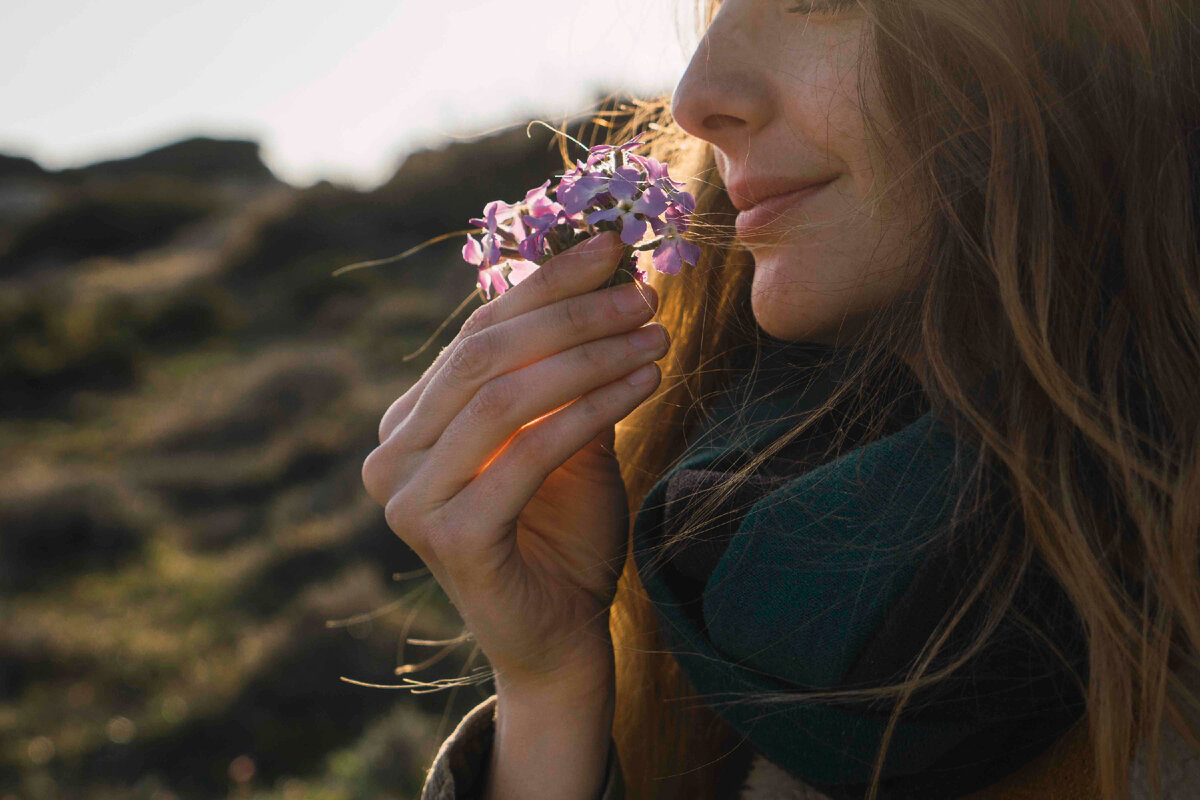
x=748 y=193
x=758 y=215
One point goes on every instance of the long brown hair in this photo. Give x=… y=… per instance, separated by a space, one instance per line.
x=1059 y=255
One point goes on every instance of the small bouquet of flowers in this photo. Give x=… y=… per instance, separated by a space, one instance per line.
x=614 y=189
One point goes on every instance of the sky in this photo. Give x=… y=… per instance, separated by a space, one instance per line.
x=340 y=91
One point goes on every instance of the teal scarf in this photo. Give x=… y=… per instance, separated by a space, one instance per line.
x=832 y=575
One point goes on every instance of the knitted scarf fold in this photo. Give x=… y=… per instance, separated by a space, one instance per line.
x=820 y=576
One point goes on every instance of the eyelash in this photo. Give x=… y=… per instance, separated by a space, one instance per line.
x=813 y=7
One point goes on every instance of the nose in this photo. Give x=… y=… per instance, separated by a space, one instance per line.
x=724 y=95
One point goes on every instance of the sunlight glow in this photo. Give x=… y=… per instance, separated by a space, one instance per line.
x=340 y=92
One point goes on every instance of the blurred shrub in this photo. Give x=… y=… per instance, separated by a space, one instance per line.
x=286 y=713
x=110 y=220
x=182 y=319
x=52 y=344
x=76 y=525
x=325 y=218
x=276 y=396
x=55 y=342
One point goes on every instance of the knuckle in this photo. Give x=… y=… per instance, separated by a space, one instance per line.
x=576 y=315
x=394 y=416
x=472 y=358
x=590 y=408
x=397 y=513
x=482 y=317
x=596 y=355
x=404 y=520
x=373 y=474
x=492 y=400
x=525 y=448
x=546 y=281
x=443 y=540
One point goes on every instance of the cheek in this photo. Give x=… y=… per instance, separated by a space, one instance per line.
x=832 y=277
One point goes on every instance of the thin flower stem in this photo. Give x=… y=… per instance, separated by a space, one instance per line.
x=442 y=327
x=405 y=254
x=553 y=129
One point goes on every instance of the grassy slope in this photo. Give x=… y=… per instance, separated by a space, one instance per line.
x=183 y=518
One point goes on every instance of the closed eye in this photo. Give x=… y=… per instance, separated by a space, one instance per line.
x=820 y=6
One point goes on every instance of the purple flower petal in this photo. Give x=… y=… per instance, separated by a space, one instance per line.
x=491 y=249
x=683 y=203
x=674 y=251
x=472 y=252
x=489 y=279
x=690 y=252
x=652 y=166
x=576 y=197
x=541 y=206
x=624 y=183
x=517 y=228
x=667 y=258
x=537 y=193
x=490 y=211
x=602 y=151
x=531 y=247
x=603 y=215
x=632 y=229
x=520 y=270
x=652 y=203
x=680 y=220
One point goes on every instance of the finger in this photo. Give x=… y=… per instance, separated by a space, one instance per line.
x=516 y=343
x=583 y=268
x=517 y=472
x=505 y=404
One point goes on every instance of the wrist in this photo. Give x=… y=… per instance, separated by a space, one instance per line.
x=586 y=673
x=584 y=682
x=551 y=742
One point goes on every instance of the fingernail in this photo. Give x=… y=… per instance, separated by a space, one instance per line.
x=643 y=375
x=650 y=337
x=630 y=298
x=600 y=243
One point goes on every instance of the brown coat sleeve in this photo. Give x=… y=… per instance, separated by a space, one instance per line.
x=459 y=767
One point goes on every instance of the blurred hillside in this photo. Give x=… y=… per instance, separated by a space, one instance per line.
x=188 y=559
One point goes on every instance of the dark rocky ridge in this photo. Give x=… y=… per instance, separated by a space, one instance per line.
x=19 y=167
x=198 y=158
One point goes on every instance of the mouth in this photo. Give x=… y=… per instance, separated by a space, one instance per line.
x=770 y=212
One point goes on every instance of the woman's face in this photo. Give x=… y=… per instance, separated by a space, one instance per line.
x=776 y=92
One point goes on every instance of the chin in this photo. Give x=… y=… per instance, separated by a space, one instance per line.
x=818 y=307
x=785 y=320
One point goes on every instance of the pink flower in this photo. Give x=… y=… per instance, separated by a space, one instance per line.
x=602 y=151
x=658 y=174
x=579 y=187
x=485 y=252
x=491 y=278
x=613 y=189
x=520 y=270
x=674 y=251
x=632 y=208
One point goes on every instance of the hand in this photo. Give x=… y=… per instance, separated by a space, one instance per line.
x=497 y=468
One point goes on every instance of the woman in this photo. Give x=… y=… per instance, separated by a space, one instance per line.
x=918 y=502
